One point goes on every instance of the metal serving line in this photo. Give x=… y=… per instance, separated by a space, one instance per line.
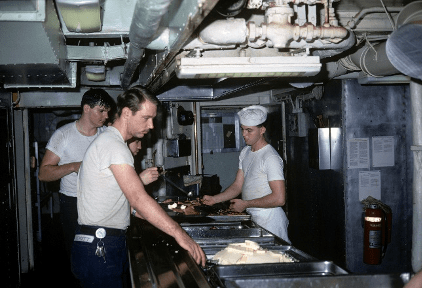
x=156 y=260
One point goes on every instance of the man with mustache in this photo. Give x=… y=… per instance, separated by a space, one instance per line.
x=109 y=190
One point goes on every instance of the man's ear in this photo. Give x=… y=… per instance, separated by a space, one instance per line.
x=126 y=112
x=263 y=129
x=86 y=108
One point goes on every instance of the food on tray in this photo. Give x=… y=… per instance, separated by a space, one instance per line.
x=196 y=206
x=249 y=252
x=185 y=207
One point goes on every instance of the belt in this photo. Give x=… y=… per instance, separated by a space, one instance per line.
x=85 y=229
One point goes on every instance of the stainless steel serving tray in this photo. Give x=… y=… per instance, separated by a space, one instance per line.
x=334 y=281
x=296 y=269
x=223 y=231
x=296 y=254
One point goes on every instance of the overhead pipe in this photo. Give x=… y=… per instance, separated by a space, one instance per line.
x=373 y=60
x=145 y=22
x=277 y=32
x=362 y=13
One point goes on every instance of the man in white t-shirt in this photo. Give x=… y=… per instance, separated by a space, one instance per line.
x=108 y=186
x=65 y=151
x=260 y=177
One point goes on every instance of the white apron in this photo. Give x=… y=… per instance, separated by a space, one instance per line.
x=272 y=219
x=256 y=185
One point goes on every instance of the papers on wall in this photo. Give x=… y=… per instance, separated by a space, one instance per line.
x=369 y=184
x=358 y=153
x=383 y=151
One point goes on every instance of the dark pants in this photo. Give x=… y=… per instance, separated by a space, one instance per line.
x=69 y=220
x=97 y=272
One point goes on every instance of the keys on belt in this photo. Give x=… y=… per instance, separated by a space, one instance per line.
x=100 y=233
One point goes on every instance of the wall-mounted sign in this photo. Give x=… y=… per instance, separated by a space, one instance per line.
x=358 y=153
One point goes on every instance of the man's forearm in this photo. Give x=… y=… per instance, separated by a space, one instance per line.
x=228 y=194
x=49 y=173
x=269 y=201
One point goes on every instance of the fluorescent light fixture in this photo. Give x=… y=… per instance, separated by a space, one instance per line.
x=234 y=67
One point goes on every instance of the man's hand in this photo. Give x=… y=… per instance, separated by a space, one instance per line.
x=149 y=175
x=209 y=200
x=187 y=243
x=238 y=205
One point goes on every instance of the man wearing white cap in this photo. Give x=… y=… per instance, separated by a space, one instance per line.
x=260 y=177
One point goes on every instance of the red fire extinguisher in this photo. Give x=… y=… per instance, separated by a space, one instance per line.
x=376 y=234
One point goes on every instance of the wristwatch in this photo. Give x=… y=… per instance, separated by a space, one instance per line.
x=133 y=212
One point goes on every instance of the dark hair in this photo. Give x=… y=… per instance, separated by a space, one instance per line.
x=96 y=97
x=133 y=98
x=263 y=124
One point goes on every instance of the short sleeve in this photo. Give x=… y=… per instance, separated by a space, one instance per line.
x=274 y=168
x=57 y=144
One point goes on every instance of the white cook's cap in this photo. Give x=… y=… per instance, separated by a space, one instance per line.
x=253 y=115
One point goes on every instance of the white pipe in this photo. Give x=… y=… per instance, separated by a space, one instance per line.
x=416 y=103
x=159 y=159
x=169 y=126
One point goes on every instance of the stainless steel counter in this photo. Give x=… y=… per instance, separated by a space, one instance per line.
x=157 y=261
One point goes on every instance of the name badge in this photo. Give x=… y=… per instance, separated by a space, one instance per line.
x=84 y=238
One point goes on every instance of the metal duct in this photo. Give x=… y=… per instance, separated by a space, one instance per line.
x=33 y=54
x=145 y=23
x=373 y=60
x=404 y=47
x=416 y=101
x=404 y=50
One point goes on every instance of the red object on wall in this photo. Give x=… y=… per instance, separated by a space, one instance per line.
x=376 y=235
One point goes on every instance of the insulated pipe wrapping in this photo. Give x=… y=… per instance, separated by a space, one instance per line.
x=225 y=32
x=373 y=60
x=416 y=103
x=145 y=23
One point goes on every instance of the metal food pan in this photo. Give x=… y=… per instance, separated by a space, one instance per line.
x=361 y=281
x=291 y=251
x=296 y=269
x=221 y=225
x=229 y=218
x=222 y=230
x=221 y=243
x=223 y=233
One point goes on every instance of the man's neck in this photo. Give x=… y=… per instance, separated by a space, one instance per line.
x=121 y=125
x=85 y=127
x=258 y=145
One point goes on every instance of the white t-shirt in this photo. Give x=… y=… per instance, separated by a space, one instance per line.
x=259 y=168
x=101 y=202
x=70 y=146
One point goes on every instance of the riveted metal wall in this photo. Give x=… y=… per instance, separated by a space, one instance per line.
x=370 y=111
x=323 y=205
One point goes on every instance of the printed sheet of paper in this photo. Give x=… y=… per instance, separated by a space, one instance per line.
x=358 y=153
x=383 y=151
x=369 y=184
